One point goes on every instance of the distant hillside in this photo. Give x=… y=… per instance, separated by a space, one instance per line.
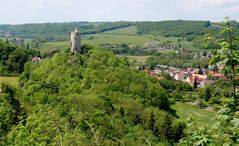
x=58 y=31
x=177 y=28
x=45 y=32
x=180 y=28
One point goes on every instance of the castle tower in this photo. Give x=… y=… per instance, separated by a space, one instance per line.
x=75 y=41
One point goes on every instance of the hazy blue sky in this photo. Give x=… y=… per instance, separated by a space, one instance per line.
x=28 y=11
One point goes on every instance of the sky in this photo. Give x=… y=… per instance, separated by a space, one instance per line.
x=41 y=11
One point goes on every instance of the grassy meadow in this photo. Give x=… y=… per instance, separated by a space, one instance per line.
x=127 y=35
x=131 y=30
x=117 y=39
x=139 y=59
x=199 y=115
x=11 y=80
x=98 y=39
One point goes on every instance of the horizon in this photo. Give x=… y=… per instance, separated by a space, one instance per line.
x=111 y=21
x=53 y=11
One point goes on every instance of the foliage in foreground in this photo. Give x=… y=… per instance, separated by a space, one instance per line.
x=224 y=132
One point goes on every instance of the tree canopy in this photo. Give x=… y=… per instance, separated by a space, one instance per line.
x=13 y=58
x=91 y=99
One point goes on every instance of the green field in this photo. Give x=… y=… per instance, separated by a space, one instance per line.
x=139 y=59
x=127 y=35
x=26 y=40
x=132 y=30
x=11 y=80
x=117 y=39
x=97 y=40
x=200 y=116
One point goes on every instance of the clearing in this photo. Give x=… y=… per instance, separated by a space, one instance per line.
x=139 y=59
x=200 y=116
x=11 y=80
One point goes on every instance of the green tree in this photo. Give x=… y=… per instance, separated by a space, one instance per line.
x=227 y=53
x=200 y=71
x=151 y=121
x=7 y=41
x=122 y=111
x=27 y=46
x=207 y=93
x=10 y=110
x=195 y=83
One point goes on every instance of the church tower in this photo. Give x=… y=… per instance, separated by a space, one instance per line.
x=75 y=41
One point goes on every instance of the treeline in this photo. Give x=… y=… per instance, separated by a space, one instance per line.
x=58 y=31
x=13 y=58
x=178 y=28
x=189 y=30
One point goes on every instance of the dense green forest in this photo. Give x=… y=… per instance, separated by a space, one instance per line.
x=178 y=28
x=96 y=100
x=13 y=58
x=181 y=28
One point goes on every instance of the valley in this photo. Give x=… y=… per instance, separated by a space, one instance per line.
x=118 y=83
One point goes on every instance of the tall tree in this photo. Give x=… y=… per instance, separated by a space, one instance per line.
x=227 y=53
x=7 y=41
x=195 y=84
x=152 y=121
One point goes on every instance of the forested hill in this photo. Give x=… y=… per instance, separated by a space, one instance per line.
x=61 y=31
x=182 y=28
x=58 y=31
x=90 y=99
x=177 y=28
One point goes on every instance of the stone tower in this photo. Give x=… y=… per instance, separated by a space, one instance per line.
x=75 y=41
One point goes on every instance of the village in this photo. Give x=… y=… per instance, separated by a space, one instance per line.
x=200 y=77
x=194 y=76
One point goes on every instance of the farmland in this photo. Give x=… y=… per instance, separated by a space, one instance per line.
x=98 y=39
x=127 y=35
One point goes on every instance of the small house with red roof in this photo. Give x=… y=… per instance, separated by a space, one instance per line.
x=217 y=75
